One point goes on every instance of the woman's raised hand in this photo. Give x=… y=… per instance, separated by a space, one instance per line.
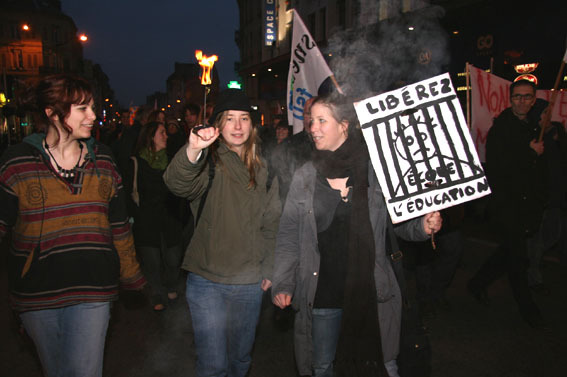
x=201 y=140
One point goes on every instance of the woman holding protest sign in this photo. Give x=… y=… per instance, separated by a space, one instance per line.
x=330 y=260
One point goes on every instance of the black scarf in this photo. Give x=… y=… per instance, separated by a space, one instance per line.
x=359 y=352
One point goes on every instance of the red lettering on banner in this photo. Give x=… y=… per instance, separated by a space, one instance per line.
x=497 y=100
x=481 y=137
x=562 y=104
x=546 y=94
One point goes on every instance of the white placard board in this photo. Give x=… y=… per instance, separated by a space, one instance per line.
x=421 y=148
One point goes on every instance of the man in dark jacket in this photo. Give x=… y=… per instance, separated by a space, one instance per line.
x=515 y=174
x=293 y=152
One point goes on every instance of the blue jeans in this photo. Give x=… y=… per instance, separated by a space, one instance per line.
x=69 y=340
x=224 y=321
x=325 y=332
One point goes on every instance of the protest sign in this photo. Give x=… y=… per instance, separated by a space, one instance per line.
x=307 y=71
x=421 y=148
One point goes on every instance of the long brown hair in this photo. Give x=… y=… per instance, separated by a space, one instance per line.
x=146 y=138
x=56 y=93
x=251 y=155
x=153 y=117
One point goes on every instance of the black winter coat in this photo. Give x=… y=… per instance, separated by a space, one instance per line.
x=515 y=172
x=160 y=211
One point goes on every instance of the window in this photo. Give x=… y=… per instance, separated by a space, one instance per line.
x=311 y=22
x=322 y=32
x=14 y=31
x=55 y=34
x=341 y=9
x=18 y=59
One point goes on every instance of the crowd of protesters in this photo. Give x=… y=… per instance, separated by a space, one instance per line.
x=243 y=209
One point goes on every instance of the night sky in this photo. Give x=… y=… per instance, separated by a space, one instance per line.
x=138 y=42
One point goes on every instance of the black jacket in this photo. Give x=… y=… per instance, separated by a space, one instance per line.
x=516 y=174
x=160 y=211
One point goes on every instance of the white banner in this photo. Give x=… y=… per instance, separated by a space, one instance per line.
x=421 y=148
x=490 y=95
x=307 y=70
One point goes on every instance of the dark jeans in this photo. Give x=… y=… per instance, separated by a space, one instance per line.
x=435 y=275
x=325 y=333
x=161 y=268
x=510 y=258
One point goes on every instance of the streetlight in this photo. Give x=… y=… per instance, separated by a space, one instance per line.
x=83 y=37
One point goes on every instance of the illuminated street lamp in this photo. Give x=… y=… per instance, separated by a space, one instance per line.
x=83 y=37
x=26 y=27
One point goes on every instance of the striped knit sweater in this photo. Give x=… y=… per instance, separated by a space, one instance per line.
x=71 y=242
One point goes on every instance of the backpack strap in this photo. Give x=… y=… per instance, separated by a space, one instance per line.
x=396 y=257
x=204 y=197
x=134 y=194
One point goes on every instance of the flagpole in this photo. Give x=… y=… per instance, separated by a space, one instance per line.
x=334 y=80
x=547 y=112
x=468 y=84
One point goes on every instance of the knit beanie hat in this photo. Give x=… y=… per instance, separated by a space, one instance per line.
x=230 y=99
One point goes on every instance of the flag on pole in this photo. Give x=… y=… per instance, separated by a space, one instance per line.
x=307 y=71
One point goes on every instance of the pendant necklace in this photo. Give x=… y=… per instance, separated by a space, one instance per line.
x=345 y=197
x=65 y=173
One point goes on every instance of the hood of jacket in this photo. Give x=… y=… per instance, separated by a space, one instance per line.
x=36 y=140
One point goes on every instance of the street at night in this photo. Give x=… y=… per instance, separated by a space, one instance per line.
x=216 y=188
x=471 y=340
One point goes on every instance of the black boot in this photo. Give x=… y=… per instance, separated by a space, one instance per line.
x=478 y=291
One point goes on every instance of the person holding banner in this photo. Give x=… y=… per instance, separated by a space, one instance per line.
x=516 y=174
x=330 y=260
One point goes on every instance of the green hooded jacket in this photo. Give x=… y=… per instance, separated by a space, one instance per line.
x=234 y=239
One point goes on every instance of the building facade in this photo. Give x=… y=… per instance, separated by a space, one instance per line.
x=382 y=44
x=37 y=39
x=264 y=61
x=183 y=86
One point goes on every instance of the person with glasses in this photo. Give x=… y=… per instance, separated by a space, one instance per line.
x=515 y=171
